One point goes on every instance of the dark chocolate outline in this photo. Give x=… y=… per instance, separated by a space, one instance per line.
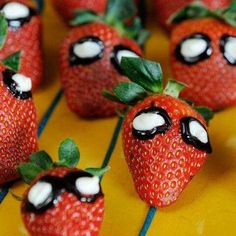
x=11 y=85
x=189 y=139
x=203 y=56
x=114 y=59
x=74 y=60
x=150 y=134
x=223 y=40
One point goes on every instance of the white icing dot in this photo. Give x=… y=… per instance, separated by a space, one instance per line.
x=193 y=47
x=198 y=131
x=15 y=10
x=87 y=49
x=148 y=121
x=88 y=185
x=230 y=48
x=125 y=53
x=24 y=83
x=39 y=193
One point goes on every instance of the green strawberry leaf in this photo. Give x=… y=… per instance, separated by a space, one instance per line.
x=206 y=113
x=147 y=74
x=29 y=171
x=42 y=159
x=97 y=171
x=68 y=153
x=173 y=88
x=137 y=32
x=84 y=17
x=13 y=61
x=3 y=30
x=192 y=11
x=119 y=11
x=110 y=96
x=129 y=93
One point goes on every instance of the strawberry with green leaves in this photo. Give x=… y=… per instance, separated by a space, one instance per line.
x=166 y=8
x=203 y=55
x=165 y=140
x=18 y=120
x=91 y=53
x=23 y=34
x=61 y=199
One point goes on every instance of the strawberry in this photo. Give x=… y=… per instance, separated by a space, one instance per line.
x=18 y=121
x=90 y=57
x=164 y=9
x=203 y=56
x=61 y=199
x=24 y=33
x=165 y=140
x=67 y=8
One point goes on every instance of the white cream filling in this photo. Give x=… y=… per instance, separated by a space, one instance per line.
x=230 y=48
x=24 y=83
x=88 y=185
x=125 y=53
x=87 y=49
x=193 y=47
x=198 y=131
x=148 y=121
x=39 y=193
x=15 y=10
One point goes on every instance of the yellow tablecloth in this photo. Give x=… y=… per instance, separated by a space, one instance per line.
x=206 y=207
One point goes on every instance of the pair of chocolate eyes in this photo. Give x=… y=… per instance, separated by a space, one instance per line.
x=17 y=14
x=46 y=191
x=197 y=47
x=90 y=49
x=153 y=121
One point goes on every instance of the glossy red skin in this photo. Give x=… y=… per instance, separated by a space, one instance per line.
x=211 y=82
x=28 y=40
x=163 y=166
x=18 y=132
x=68 y=217
x=83 y=85
x=164 y=9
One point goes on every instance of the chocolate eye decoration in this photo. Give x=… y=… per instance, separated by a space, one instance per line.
x=194 y=133
x=228 y=48
x=18 y=84
x=149 y=122
x=43 y=194
x=193 y=49
x=86 y=51
x=17 y=14
x=84 y=185
x=120 y=51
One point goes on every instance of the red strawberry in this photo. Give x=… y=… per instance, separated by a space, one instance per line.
x=89 y=61
x=203 y=57
x=67 y=8
x=18 y=122
x=62 y=200
x=165 y=140
x=164 y=9
x=83 y=83
x=24 y=33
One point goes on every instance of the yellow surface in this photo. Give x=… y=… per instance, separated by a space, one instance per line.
x=206 y=207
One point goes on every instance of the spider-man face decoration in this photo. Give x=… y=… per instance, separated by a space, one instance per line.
x=203 y=56
x=165 y=144
x=90 y=63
